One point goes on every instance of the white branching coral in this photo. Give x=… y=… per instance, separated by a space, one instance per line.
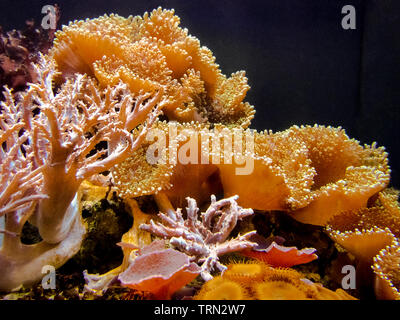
x=19 y=180
x=66 y=132
x=21 y=183
x=205 y=239
x=52 y=140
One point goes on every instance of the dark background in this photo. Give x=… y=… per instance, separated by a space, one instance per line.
x=303 y=67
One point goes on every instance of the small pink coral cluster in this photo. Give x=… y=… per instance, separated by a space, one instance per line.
x=206 y=239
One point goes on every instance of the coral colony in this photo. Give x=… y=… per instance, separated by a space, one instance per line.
x=126 y=129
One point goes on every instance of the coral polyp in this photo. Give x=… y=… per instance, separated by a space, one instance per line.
x=222 y=289
x=244 y=273
x=278 y=290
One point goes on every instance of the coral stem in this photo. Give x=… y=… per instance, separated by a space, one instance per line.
x=164 y=204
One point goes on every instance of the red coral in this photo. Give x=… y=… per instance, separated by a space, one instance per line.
x=273 y=253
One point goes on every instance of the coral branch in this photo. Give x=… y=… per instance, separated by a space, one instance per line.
x=206 y=239
x=69 y=127
x=19 y=180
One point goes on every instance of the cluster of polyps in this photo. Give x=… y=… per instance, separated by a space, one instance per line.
x=49 y=145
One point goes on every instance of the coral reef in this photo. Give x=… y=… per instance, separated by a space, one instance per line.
x=119 y=121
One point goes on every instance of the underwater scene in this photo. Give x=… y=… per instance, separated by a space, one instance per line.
x=199 y=150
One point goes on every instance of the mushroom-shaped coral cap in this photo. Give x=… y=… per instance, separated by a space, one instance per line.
x=159 y=272
x=347 y=174
x=357 y=236
x=387 y=269
x=385 y=212
x=281 y=176
x=366 y=231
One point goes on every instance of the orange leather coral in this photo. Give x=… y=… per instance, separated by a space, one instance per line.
x=347 y=174
x=137 y=176
x=153 y=51
x=281 y=178
x=386 y=268
x=366 y=231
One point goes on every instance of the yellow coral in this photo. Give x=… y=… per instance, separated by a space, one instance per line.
x=364 y=243
x=278 y=290
x=245 y=273
x=138 y=176
x=153 y=51
x=366 y=231
x=255 y=280
x=347 y=174
x=222 y=289
x=386 y=267
x=281 y=178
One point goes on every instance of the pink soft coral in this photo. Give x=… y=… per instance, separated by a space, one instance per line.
x=206 y=239
x=159 y=271
x=272 y=252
